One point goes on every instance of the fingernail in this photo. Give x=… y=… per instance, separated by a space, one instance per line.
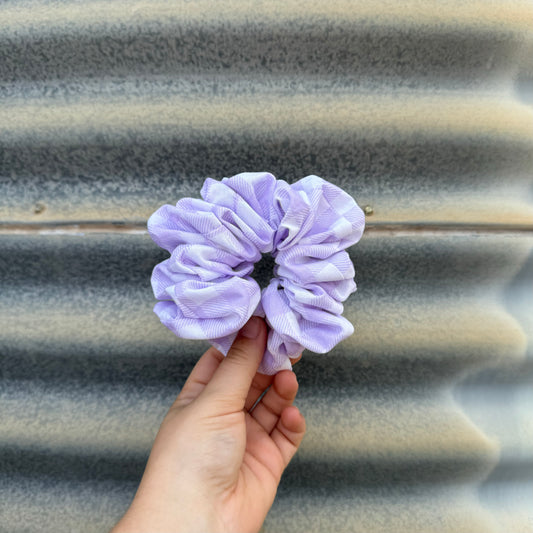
x=252 y=328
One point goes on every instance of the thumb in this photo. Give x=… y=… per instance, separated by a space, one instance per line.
x=231 y=382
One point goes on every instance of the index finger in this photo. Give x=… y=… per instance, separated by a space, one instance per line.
x=199 y=377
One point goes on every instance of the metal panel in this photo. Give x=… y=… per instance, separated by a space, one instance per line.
x=422 y=420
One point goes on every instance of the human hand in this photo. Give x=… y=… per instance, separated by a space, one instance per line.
x=215 y=465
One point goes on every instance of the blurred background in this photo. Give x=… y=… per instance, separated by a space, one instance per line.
x=421 y=110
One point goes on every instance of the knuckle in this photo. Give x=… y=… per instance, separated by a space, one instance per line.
x=239 y=354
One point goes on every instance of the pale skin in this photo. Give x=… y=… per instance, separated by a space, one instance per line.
x=216 y=464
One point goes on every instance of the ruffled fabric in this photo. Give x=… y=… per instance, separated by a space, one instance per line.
x=205 y=288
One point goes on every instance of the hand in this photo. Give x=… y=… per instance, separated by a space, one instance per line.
x=216 y=464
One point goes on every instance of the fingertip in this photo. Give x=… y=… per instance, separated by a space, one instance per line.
x=286 y=374
x=286 y=383
x=293 y=419
x=250 y=341
x=289 y=432
x=215 y=353
x=253 y=328
x=296 y=359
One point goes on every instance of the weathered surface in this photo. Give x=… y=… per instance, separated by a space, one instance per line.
x=422 y=420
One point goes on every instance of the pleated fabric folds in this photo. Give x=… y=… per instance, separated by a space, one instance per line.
x=205 y=287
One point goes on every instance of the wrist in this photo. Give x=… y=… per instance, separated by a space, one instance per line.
x=162 y=517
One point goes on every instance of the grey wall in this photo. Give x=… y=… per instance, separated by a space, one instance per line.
x=423 y=419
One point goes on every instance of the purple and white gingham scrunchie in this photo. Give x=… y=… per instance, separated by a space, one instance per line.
x=205 y=287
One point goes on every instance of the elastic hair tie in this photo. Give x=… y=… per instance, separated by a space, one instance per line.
x=205 y=289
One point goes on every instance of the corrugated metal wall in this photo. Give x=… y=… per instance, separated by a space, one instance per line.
x=423 y=420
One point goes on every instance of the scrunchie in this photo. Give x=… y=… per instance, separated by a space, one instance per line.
x=205 y=287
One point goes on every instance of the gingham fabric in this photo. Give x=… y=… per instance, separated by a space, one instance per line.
x=205 y=287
